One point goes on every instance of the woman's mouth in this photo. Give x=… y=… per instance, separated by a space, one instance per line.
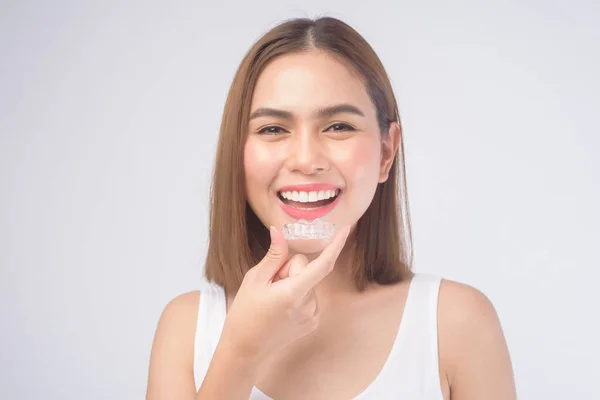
x=308 y=205
x=309 y=200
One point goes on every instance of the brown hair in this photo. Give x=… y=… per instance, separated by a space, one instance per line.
x=237 y=238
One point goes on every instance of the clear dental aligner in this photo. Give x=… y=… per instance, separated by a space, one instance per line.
x=304 y=229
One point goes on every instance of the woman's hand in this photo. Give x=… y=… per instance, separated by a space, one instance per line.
x=276 y=303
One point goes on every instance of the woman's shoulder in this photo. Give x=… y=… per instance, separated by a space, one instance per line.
x=465 y=313
x=461 y=304
x=184 y=301
x=472 y=347
x=179 y=317
x=177 y=323
x=172 y=355
x=184 y=305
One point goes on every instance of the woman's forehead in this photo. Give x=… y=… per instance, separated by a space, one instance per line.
x=308 y=81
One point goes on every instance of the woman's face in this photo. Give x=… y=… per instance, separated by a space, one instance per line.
x=314 y=148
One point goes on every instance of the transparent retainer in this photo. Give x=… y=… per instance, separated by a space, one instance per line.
x=304 y=229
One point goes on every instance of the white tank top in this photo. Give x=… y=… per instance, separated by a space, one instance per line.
x=411 y=370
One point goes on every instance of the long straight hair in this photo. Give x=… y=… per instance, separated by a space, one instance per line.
x=237 y=238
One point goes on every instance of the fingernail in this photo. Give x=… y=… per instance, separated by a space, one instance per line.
x=272 y=232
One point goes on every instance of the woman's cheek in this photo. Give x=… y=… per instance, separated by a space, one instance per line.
x=358 y=160
x=260 y=159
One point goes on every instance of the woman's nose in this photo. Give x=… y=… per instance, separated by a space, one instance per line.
x=306 y=154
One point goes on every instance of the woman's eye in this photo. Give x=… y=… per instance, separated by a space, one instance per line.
x=275 y=130
x=340 y=127
x=272 y=130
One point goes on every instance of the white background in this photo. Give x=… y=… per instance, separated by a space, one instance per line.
x=109 y=116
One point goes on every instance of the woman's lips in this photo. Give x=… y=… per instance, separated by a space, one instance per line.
x=309 y=213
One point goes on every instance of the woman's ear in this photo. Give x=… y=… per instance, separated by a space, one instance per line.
x=389 y=147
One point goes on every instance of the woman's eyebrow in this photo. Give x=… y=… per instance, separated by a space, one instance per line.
x=321 y=113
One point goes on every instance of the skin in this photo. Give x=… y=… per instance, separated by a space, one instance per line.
x=343 y=149
x=348 y=150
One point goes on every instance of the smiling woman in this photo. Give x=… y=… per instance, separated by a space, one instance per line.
x=311 y=130
x=323 y=130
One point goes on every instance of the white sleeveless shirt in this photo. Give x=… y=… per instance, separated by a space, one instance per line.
x=411 y=370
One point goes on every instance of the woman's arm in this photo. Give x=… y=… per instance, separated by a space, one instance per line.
x=171 y=372
x=473 y=350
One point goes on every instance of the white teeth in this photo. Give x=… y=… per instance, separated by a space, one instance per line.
x=309 y=197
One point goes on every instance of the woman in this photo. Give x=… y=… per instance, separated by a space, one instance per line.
x=311 y=129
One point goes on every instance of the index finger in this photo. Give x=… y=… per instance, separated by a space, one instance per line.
x=320 y=267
